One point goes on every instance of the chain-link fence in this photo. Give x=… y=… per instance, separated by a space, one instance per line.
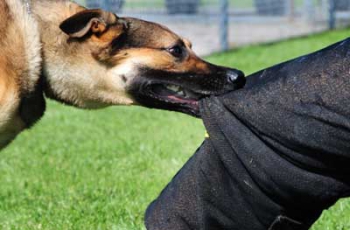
x=214 y=25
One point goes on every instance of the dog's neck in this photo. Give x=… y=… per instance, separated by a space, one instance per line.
x=62 y=68
x=70 y=71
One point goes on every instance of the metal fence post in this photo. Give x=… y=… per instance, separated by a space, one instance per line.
x=331 y=19
x=224 y=24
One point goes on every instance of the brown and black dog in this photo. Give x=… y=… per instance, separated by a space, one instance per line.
x=93 y=59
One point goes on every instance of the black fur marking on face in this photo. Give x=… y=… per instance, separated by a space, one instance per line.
x=119 y=43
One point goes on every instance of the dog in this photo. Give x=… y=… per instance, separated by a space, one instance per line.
x=91 y=59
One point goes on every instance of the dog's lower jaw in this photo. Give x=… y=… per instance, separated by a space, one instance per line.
x=153 y=101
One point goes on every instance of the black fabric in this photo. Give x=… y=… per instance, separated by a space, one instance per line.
x=285 y=223
x=278 y=152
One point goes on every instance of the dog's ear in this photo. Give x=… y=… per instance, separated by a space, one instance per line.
x=80 y=24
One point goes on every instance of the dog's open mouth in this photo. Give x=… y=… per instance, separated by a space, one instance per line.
x=176 y=97
x=180 y=92
x=175 y=94
x=170 y=97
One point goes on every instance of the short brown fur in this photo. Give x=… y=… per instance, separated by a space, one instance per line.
x=89 y=59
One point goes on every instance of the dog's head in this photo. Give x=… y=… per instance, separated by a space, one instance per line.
x=152 y=65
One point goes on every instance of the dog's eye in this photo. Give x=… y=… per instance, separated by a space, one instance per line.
x=176 y=51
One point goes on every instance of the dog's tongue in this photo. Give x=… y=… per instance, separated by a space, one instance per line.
x=182 y=100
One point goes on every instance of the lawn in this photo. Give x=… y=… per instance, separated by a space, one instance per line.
x=99 y=169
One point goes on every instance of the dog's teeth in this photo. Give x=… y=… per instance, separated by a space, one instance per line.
x=181 y=93
x=189 y=94
x=176 y=88
x=173 y=88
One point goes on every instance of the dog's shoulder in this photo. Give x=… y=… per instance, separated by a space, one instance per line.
x=20 y=68
x=23 y=43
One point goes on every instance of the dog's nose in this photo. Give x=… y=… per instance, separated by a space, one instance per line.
x=235 y=78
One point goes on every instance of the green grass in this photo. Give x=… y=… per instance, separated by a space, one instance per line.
x=99 y=169
x=92 y=169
